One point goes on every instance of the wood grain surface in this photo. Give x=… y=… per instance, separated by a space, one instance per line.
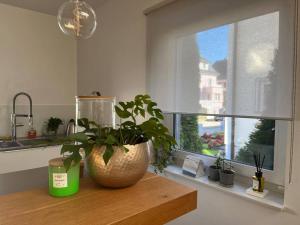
x=153 y=200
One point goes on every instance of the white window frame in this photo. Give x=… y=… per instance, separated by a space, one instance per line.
x=282 y=144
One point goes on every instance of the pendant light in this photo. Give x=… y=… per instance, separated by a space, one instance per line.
x=77 y=18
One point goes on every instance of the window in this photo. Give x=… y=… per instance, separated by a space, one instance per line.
x=220 y=49
x=225 y=73
x=238 y=138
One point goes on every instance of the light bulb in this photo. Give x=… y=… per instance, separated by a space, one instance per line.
x=77 y=18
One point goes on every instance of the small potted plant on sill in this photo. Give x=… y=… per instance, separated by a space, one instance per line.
x=226 y=174
x=119 y=157
x=213 y=170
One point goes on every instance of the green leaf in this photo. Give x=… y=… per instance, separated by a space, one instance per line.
x=136 y=111
x=77 y=157
x=94 y=124
x=138 y=100
x=67 y=163
x=83 y=122
x=88 y=149
x=124 y=114
x=158 y=114
x=147 y=99
x=130 y=104
x=93 y=131
x=125 y=149
x=99 y=142
x=138 y=97
x=142 y=111
x=124 y=106
x=128 y=124
x=109 y=151
x=69 y=148
x=80 y=137
x=150 y=108
x=111 y=140
x=154 y=119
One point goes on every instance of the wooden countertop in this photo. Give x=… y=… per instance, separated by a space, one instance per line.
x=154 y=200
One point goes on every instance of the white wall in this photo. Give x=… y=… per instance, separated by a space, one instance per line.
x=114 y=60
x=35 y=57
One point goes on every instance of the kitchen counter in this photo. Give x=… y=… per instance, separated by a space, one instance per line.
x=154 y=200
x=37 y=142
x=26 y=154
x=23 y=180
x=27 y=158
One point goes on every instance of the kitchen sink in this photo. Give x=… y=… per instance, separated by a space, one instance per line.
x=31 y=143
x=39 y=141
x=9 y=144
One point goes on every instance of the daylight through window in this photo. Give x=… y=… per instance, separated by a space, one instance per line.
x=230 y=61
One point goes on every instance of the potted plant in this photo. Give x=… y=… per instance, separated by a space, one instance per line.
x=119 y=157
x=53 y=124
x=213 y=170
x=226 y=174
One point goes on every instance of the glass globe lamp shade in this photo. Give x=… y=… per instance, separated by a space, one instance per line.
x=77 y=18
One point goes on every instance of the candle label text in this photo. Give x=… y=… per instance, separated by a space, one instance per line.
x=60 y=180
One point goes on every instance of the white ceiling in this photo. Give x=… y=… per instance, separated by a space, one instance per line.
x=44 y=6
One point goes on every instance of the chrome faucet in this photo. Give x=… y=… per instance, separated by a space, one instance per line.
x=14 y=116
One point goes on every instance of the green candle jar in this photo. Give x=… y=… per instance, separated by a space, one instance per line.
x=61 y=182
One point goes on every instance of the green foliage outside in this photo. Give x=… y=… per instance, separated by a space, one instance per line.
x=189 y=137
x=261 y=140
x=210 y=152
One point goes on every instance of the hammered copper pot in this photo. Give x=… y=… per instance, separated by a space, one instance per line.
x=123 y=169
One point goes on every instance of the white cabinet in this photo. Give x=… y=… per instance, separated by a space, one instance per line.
x=25 y=159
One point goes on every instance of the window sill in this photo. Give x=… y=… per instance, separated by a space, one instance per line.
x=273 y=199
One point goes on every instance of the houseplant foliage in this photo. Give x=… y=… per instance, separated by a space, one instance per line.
x=128 y=132
x=53 y=124
x=213 y=170
x=226 y=172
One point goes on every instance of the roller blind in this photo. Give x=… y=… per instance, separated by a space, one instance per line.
x=226 y=57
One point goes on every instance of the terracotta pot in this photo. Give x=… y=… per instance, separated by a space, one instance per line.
x=123 y=169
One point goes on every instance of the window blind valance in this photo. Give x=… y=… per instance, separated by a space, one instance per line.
x=225 y=57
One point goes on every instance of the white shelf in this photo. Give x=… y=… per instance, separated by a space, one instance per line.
x=273 y=199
